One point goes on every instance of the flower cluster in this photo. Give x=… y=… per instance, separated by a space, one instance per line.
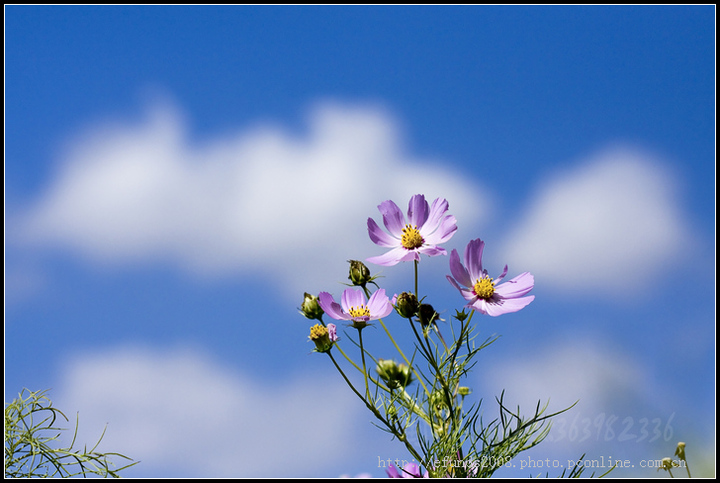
x=420 y=233
x=437 y=400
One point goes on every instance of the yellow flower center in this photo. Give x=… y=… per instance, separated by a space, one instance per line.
x=359 y=311
x=317 y=331
x=411 y=237
x=484 y=288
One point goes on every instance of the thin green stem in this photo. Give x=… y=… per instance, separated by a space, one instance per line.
x=347 y=381
x=420 y=340
x=337 y=344
x=416 y=279
x=400 y=435
x=437 y=331
x=414 y=406
x=411 y=366
x=362 y=353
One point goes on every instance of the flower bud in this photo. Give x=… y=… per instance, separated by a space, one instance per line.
x=437 y=400
x=668 y=464
x=395 y=375
x=407 y=305
x=427 y=315
x=324 y=337
x=359 y=273
x=310 y=307
x=680 y=450
x=464 y=390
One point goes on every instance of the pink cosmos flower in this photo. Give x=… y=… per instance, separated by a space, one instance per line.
x=482 y=292
x=422 y=232
x=354 y=307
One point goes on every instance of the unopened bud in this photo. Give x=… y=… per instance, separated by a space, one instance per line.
x=680 y=450
x=310 y=307
x=395 y=375
x=464 y=391
x=437 y=400
x=407 y=305
x=668 y=464
x=359 y=273
x=427 y=315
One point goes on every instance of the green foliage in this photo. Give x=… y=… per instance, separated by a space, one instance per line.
x=29 y=431
x=451 y=436
x=425 y=404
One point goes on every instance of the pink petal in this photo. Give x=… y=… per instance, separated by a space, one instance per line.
x=392 y=217
x=379 y=237
x=332 y=308
x=473 y=258
x=507 y=306
x=431 y=250
x=332 y=332
x=388 y=259
x=444 y=232
x=417 y=210
x=352 y=298
x=517 y=287
x=379 y=305
x=410 y=255
x=458 y=271
x=468 y=295
x=437 y=210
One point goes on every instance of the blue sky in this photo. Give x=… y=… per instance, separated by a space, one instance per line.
x=177 y=177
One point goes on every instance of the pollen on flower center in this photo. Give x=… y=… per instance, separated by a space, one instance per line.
x=318 y=331
x=411 y=237
x=359 y=311
x=484 y=288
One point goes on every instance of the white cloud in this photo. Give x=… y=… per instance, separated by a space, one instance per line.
x=610 y=224
x=262 y=199
x=563 y=374
x=181 y=413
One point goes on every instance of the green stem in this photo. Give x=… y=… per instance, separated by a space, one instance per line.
x=416 y=279
x=427 y=348
x=346 y=379
x=414 y=406
x=411 y=366
x=437 y=331
x=346 y=356
x=419 y=339
x=400 y=435
x=362 y=353
x=337 y=344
